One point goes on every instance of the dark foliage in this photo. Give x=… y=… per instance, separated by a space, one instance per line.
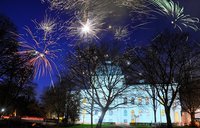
x=15 y=72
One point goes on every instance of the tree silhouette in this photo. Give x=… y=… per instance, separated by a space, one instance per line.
x=14 y=71
x=62 y=100
x=189 y=93
x=97 y=70
x=163 y=65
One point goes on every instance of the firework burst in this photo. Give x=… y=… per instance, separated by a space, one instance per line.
x=176 y=14
x=121 y=33
x=41 y=47
x=83 y=30
x=86 y=17
x=65 y=4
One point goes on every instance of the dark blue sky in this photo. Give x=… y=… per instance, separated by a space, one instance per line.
x=22 y=12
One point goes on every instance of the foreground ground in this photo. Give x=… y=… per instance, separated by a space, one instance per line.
x=114 y=126
x=23 y=124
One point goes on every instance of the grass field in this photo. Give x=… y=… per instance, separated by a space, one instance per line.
x=107 y=126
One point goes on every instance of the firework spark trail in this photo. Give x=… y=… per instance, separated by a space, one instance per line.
x=41 y=47
x=140 y=6
x=65 y=4
x=176 y=14
x=139 y=9
x=81 y=8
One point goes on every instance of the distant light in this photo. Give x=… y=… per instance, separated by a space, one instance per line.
x=3 y=110
x=106 y=55
x=128 y=62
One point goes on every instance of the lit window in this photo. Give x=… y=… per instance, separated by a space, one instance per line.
x=162 y=112
x=132 y=100
x=125 y=112
x=125 y=121
x=84 y=112
x=147 y=100
x=140 y=112
x=139 y=101
x=84 y=101
x=132 y=112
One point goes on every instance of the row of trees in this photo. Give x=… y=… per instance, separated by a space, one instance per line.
x=18 y=92
x=169 y=65
x=16 y=88
x=62 y=100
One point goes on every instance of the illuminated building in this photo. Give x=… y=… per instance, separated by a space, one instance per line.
x=136 y=106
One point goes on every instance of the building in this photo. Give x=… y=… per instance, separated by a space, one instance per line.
x=135 y=103
x=186 y=118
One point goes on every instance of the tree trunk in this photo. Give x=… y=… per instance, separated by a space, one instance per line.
x=101 y=118
x=154 y=110
x=58 y=116
x=91 y=113
x=167 y=113
x=67 y=118
x=67 y=115
x=192 y=115
x=92 y=108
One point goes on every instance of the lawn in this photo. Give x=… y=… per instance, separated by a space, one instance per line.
x=114 y=126
x=107 y=126
x=88 y=126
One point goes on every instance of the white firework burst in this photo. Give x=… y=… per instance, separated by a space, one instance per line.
x=121 y=33
x=85 y=29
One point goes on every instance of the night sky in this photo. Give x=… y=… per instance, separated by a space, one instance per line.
x=22 y=12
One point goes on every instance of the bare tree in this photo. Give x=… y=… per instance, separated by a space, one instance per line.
x=163 y=64
x=189 y=93
x=96 y=69
x=151 y=91
x=133 y=71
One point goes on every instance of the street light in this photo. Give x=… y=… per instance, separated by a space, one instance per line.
x=3 y=110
